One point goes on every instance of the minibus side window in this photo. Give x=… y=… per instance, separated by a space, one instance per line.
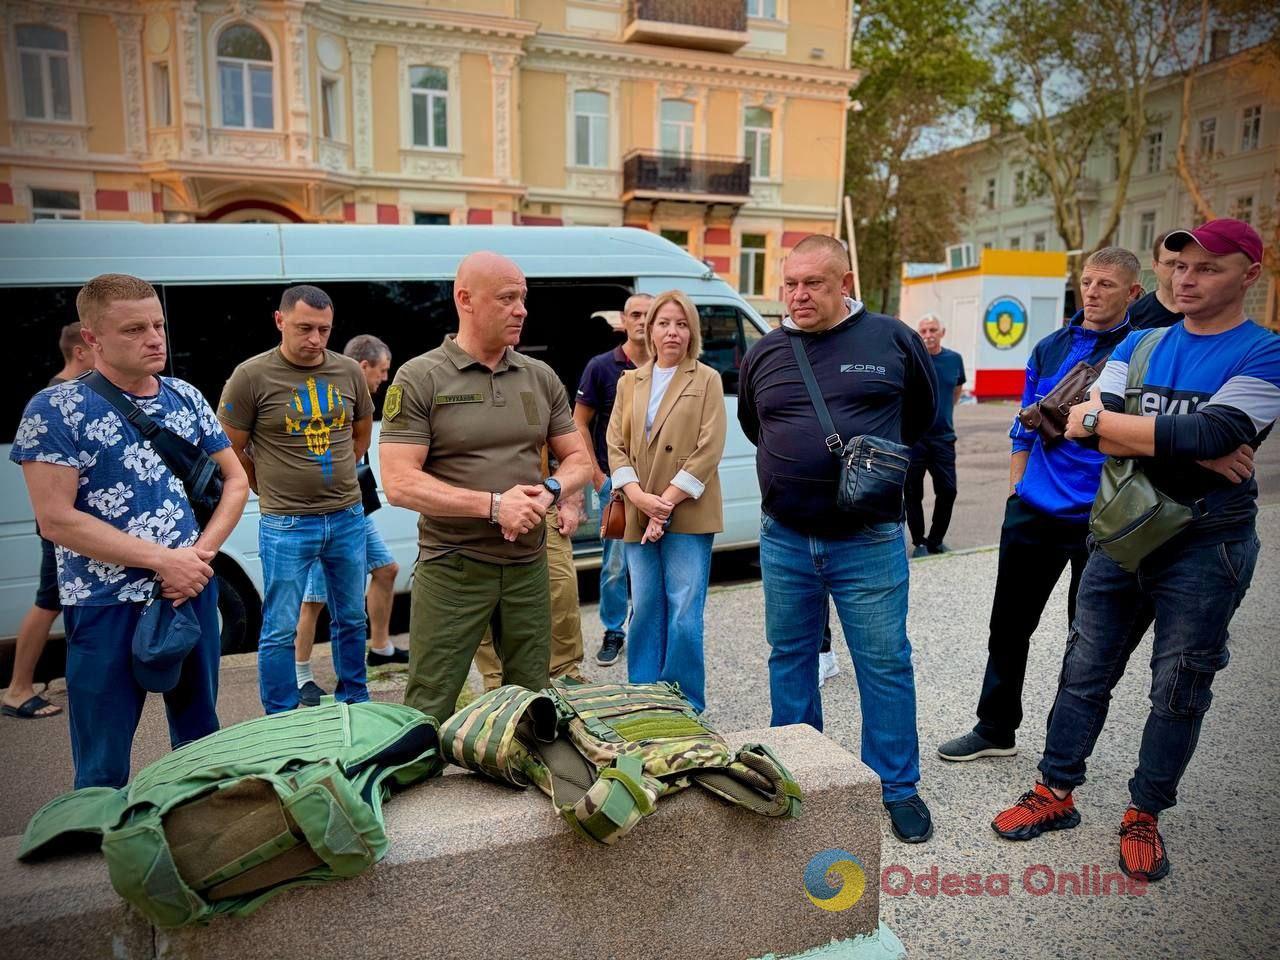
x=36 y=318
x=212 y=327
x=726 y=334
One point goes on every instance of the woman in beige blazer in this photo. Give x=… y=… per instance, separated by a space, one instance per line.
x=666 y=437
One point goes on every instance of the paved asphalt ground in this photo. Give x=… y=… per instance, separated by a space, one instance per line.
x=1223 y=838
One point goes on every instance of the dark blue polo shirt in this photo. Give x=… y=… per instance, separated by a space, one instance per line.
x=948 y=366
x=597 y=390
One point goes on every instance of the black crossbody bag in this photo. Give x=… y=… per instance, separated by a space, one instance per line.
x=873 y=470
x=200 y=476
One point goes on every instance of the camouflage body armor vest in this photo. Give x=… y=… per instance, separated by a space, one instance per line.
x=605 y=753
x=228 y=821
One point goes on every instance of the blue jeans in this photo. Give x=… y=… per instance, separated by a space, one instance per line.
x=376 y=554
x=105 y=702
x=288 y=546
x=668 y=595
x=866 y=576
x=613 y=576
x=1193 y=592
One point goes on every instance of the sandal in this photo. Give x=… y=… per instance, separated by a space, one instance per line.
x=31 y=709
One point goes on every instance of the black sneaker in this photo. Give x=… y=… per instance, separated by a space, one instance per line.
x=910 y=819
x=309 y=694
x=610 y=647
x=397 y=655
x=971 y=746
x=920 y=550
x=938 y=548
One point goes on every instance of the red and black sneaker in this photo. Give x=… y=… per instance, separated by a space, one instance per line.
x=1035 y=812
x=1142 y=853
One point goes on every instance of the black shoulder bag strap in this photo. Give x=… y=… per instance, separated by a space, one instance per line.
x=832 y=439
x=190 y=464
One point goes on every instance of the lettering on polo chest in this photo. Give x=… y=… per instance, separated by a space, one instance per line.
x=442 y=398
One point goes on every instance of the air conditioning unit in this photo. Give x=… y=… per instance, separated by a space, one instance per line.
x=960 y=256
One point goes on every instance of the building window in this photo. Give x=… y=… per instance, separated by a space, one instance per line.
x=430 y=89
x=54 y=204
x=764 y=9
x=422 y=219
x=758 y=142
x=1208 y=137
x=1038 y=242
x=590 y=128
x=677 y=127
x=679 y=237
x=46 y=73
x=245 y=83
x=1147 y=230
x=161 y=112
x=987 y=244
x=989 y=201
x=751 y=265
x=1015 y=243
x=1155 y=151
x=1251 y=127
x=330 y=108
x=1242 y=208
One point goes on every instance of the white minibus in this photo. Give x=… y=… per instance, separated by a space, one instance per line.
x=220 y=283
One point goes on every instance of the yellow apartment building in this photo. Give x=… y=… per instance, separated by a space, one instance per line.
x=720 y=123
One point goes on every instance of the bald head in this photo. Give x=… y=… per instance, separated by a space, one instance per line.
x=489 y=293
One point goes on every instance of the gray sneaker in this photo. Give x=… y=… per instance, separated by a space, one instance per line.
x=971 y=746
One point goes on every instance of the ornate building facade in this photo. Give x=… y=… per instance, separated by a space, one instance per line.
x=720 y=123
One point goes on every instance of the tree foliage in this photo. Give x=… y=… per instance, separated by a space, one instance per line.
x=920 y=69
x=1073 y=77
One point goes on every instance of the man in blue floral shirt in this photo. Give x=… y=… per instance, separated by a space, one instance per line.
x=120 y=519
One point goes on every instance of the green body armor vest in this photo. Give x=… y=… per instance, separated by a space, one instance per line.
x=605 y=753
x=229 y=820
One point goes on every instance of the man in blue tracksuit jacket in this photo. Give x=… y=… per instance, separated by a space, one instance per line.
x=1046 y=519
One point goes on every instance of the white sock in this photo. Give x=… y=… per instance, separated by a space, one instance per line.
x=386 y=651
x=303 y=672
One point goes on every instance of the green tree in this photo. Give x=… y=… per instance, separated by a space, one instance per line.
x=920 y=71
x=1072 y=78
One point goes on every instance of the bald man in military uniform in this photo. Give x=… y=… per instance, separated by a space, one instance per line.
x=462 y=430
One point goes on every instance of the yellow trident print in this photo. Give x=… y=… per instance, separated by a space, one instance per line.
x=318 y=414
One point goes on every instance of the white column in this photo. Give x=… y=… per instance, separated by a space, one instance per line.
x=297 y=122
x=129 y=35
x=500 y=69
x=361 y=53
x=190 y=116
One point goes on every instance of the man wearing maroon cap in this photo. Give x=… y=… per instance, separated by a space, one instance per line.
x=1211 y=384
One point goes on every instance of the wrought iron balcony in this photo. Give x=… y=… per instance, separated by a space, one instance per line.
x=648 y=175
x=719 y=25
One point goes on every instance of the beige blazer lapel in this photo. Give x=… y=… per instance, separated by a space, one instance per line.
x=680 y=380
x=640 y=404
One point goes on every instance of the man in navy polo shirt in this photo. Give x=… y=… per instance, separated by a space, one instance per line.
x=591 y=413
x=935 y=452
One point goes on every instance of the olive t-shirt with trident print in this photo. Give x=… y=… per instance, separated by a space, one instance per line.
x=300 y=421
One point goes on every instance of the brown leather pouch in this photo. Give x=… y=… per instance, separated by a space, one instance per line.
x=1048 y=417
x=613 y=519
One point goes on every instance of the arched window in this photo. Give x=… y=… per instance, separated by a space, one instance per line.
x=591 y=128
x=677 y=127
x=245 y=85
x=45 y=59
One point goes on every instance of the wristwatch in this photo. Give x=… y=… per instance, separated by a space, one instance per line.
x=495 y=501
x=1090 y=421
x=553 y=488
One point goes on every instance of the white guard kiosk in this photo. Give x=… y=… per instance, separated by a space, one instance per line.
x=994 y=310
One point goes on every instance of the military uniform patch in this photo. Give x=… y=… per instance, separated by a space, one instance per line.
x=391 y=405
x=442 y=398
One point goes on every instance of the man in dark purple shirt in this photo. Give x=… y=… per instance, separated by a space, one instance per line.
x=591 y=411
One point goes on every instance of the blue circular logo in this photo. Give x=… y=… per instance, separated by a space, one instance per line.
x=834 y=880
x=1005 y=323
